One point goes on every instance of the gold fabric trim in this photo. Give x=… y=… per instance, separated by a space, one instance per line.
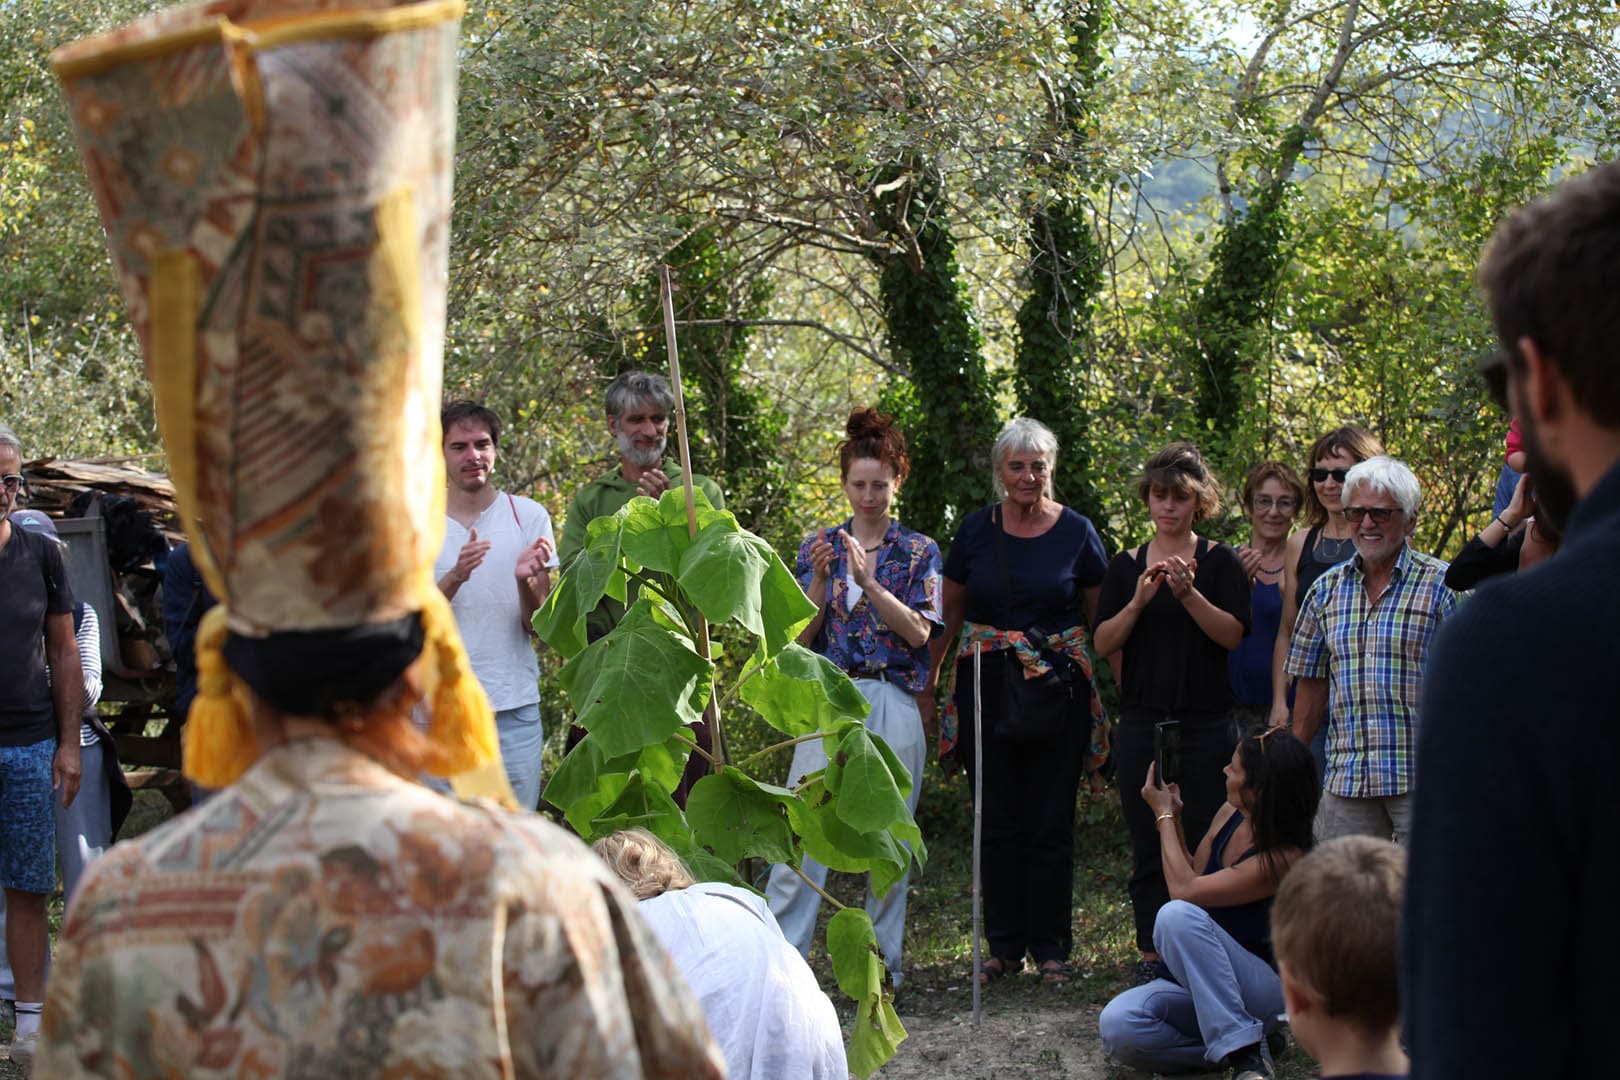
x=268 y=34
x=175 y=291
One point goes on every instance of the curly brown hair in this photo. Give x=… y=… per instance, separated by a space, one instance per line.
x=1180 y=468
x=872 y=434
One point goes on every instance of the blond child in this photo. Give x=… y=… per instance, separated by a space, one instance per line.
x=1334 y=927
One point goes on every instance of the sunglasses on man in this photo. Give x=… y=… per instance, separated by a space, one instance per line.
x=1379 y=514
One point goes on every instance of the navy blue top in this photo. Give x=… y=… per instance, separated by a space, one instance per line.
x=33 y=583
x=1045 y=573
x=1249 y=924
x=1250 y=663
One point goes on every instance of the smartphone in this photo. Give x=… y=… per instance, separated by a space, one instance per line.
x=1167 y=751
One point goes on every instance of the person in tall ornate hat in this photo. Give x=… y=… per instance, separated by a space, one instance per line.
x=274 y=179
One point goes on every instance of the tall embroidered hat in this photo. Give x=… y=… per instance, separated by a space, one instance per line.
x=274 y=180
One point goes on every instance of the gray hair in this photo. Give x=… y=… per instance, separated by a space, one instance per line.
x=1023 y=433
x=634 y=388
x=9 y=438
x=1386 y=476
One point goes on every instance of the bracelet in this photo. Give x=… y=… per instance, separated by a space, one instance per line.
x=1167 y=815
x=1499 y=519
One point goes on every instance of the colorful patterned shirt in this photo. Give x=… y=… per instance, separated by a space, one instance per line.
x=853 y=635
x=1372 y=656
x=323 y=917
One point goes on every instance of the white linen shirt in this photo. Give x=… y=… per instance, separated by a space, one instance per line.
x=486 y=606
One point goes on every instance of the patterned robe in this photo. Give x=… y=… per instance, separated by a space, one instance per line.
x=324 y=918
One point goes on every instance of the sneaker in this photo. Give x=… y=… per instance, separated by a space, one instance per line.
x=22 y=1049
x=1252 y=1063
x=1277 y=1043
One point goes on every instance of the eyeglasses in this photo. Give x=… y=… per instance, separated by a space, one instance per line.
x=1285 y=503
x=12 y=481
x=1319 y=475
x=1379 y=514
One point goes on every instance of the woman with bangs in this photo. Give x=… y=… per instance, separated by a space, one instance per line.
x=1272 y=496
x=1170 y=613
x=1326 y=543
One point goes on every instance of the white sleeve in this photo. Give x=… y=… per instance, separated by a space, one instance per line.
x=538 y=525
x=89 y=638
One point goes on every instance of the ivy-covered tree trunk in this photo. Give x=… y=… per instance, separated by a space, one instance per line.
x=948 y=410
x=1232 y=310
x=1065 y=274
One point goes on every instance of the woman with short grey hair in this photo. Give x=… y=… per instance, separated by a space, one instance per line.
x=1021 y=584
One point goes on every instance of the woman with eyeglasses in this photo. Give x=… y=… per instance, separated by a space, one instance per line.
x=1326 y=543
x=1272 y=496
x=1219 y=995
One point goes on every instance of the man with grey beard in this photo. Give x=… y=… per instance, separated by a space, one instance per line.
x=638 y=407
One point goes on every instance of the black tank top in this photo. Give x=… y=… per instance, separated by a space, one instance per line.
x=1249 y=924
x=1311 y=566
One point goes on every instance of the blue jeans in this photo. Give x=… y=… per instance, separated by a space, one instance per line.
x=895 y=719
x=1227 y=998
x=522 y=742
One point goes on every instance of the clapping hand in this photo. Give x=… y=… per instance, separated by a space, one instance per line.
x=1251 y=559
x=470 y=557
x=534 y=560
x=821 y=557
x=856 y=558
x=1178 y=572
x=653 y=483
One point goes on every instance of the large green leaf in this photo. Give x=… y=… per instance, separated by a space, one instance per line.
x=784 y=609
x=637 y=685
x=594 y=573
x=643 y=804
x=829 y=840
x=582 y=786
x=737 y=817
x=870 y=784
x=656 y=534
x=858 y=967
x=721 y=573
x=799 y=692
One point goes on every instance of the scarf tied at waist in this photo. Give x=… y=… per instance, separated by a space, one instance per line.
x=1028 y=648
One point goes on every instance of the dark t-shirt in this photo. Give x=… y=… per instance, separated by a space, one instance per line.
x=1045 y=573
x=34 y=584
x=1168 y=663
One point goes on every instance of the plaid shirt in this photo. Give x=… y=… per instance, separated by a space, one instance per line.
x=1372 y=655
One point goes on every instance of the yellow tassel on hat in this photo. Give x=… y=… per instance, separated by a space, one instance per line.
x=219 y=743
x=463 y=727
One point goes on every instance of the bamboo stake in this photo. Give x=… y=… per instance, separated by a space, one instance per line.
x=978 y=826
x=667 y=293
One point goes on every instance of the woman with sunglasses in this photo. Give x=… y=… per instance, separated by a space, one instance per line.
x=1220 y=995
x=1326 y=543
x=1272 y=496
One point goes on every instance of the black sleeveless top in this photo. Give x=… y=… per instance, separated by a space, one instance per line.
x=1249 y=924
x=1311 y=566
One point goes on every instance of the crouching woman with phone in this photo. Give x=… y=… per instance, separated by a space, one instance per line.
x=1218 y=995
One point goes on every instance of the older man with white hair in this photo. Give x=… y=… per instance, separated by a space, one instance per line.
x=1360 y=641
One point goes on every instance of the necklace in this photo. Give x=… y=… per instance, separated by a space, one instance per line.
x=875 y=548
x=1271 y=569
x=1331 y=549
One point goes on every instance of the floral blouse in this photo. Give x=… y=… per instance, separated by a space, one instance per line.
x=852 y=634
x=323 y=917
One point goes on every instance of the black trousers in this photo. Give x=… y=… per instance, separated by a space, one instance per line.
x=1207 y=740
x=1027 y=858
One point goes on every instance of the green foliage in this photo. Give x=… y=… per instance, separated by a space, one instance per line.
x=948 y=409
x=634 y=688
x=1065 y=277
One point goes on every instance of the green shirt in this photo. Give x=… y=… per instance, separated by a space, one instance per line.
x=602 y=497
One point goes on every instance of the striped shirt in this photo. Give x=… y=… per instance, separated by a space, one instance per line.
x=1372 y=656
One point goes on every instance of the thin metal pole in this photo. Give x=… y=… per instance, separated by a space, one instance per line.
x=978 y=827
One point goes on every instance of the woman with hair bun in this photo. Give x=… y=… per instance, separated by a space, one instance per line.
x=1172 y=609
x=876 y=587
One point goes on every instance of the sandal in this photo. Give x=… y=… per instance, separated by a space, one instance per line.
x=1056 y=972
x=993 y=970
